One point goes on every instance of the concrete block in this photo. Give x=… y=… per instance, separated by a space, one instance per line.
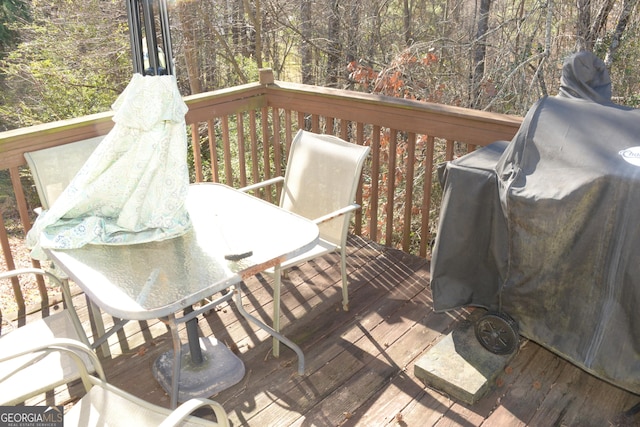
x=459 y=366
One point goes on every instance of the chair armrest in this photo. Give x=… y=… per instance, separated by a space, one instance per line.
x=261 y=184
x=29 y=270
x=184 y=411
x=337 y=213
x=63 y=285
x=73 y=348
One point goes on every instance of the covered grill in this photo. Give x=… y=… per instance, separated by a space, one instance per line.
x=545 y=229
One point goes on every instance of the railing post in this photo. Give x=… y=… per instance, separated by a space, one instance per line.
x=266 y=76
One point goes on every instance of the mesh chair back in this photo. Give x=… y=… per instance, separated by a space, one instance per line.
x=54 y=168
x=322 y=176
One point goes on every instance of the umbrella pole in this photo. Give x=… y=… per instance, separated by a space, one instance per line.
x=141 y=13
x=150 y=33
x=166 y=36
x=135 y=36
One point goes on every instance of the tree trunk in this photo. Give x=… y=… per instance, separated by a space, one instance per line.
x=255 y=16
x=599 y=24
x=352 y=30
x=376 y=36
x=334 y=45
x=479 y=52
x=407 y=23
x=238 y=27
x=583 y=25
x=623 y=20
x=185 y=14
x=306 y=57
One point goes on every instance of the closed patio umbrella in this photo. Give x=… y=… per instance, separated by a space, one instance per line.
x=133 y=188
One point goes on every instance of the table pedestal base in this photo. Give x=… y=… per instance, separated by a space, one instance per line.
x=219 y=370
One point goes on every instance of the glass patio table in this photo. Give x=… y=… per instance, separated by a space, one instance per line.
x=234 y=236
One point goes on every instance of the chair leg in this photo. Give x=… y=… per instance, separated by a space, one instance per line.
x=177 y=360
x=345 y=284
x=277 y=281
x=281 y=338
x=98 y=328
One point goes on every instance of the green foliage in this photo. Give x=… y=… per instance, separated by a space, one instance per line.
x=11 y=12
x=67 y=67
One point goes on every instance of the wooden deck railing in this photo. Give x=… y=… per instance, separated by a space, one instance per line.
x=247 y=130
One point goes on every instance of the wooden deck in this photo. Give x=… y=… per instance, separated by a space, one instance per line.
x=360 y=364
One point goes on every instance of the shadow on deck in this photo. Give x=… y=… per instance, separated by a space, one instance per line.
x=360 y=364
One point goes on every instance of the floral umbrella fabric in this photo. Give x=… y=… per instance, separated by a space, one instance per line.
x=132 y=189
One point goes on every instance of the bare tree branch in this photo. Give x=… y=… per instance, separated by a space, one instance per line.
x=623 y=20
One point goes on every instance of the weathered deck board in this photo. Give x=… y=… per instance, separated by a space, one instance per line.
x=359 y=364
x=323 y=355
x=378 y=345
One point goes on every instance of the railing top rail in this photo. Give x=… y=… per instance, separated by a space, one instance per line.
x=222 y=102
x=450 y=122
x=15 y=142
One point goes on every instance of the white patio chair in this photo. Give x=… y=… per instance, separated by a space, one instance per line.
x=320 y=183
x=107 y=405
x=53 y=168
x=47 y=372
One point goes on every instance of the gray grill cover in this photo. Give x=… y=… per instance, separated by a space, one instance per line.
x=548 y=226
